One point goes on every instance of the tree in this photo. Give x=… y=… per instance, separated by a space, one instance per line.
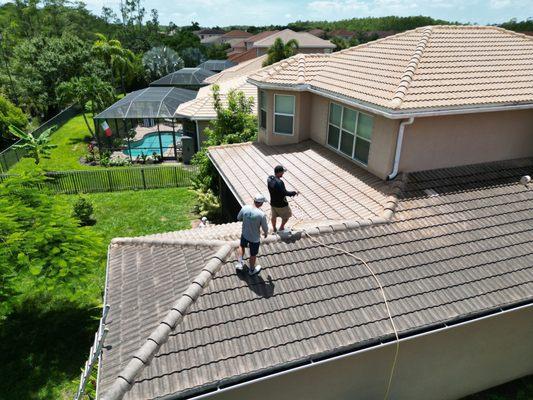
x=217 y=51
x=280 y=51
x=118 y=59
x=340 y=43
x=235 y=123
x=42 y=63
x=90 y=92
x=192 y=56
x=10 y=115
x=161 y=61
x=43 y=248
x=35 y=147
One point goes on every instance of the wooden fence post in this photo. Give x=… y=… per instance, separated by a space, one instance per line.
x=144 y=179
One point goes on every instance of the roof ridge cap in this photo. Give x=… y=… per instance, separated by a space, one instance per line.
x=153 y=241
x=142 y=357
x=222 y=146
x=407 y=77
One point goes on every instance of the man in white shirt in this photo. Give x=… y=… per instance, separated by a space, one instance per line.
x=253 y=220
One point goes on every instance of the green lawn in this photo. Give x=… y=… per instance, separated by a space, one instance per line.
x=45 y=342
x=71 y=140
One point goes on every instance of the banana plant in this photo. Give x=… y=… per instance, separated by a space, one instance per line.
x=35 y=147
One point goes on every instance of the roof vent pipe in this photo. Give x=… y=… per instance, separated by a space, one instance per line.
x=399 y=141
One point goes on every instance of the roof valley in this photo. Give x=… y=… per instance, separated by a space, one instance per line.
x=410 y=70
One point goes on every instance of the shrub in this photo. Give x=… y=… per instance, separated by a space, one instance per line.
x=44 y=250
x=83 y=211
x=208 y=204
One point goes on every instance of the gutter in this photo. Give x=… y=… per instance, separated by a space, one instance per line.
x=233 y=383
x=399 y=142
x=386 y=112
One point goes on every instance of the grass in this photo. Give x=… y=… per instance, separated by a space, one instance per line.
x=45 y=341
x=71 y=140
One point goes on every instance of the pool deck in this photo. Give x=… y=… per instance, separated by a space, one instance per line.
x=142 y=131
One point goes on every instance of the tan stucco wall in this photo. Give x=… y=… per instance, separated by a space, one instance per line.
x=441 y=366
x=312 y=123
x=440 y=142
x=301 y=120
x=384 y=134
x=201 y=127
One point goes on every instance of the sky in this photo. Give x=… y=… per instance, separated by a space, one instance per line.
x=280 y=12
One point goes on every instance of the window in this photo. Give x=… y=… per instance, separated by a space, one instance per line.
x=283 y=114
x=350 y=132
x=262 y=109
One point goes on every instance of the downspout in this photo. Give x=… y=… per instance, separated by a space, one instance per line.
x=399 y=142
x=198 y=147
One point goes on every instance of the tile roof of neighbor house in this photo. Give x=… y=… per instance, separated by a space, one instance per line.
x=455 y=253
x=184 y=76
x=317 y=32
x=331 y=187
x=304 y=39
x=237 y=34
x=243 y=56
x=211 y=31
x=242 y=69
x=254 y=38
x=425 y=69
x=203 y=107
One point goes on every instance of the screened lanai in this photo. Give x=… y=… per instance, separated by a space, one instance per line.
x=143 y=123
x=187 y=78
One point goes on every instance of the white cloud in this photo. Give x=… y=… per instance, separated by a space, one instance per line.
x=499 y=4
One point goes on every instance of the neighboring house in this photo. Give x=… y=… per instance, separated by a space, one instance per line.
x=444 y=113
x=188 y=78
x=209 y=33
x=234 y=37
x=259 y=44
x=201 y=111
x=321 y=33
x=307 y=43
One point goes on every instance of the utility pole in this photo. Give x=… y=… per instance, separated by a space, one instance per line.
x=13 y=92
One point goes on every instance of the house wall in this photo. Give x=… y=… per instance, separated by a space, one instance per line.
x=440 y=142
x=311 y=122
x=448 y=364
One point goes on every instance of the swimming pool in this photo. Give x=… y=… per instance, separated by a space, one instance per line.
x=150 y=144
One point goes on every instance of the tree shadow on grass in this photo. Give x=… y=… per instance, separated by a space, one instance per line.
x=76 y=140
x=43 y=349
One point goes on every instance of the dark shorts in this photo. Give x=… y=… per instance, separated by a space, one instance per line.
x=254 y=246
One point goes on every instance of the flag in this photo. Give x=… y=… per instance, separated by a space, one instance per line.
x=106 y=128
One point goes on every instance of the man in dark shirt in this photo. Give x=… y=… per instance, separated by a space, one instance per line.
x=278 y=198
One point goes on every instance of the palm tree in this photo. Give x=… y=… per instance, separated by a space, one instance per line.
x=118 y=59
x=280 y=51
x=161 y=61
x=37 y=147
x=90 y=92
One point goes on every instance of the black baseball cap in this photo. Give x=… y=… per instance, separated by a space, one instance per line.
x=279 y=168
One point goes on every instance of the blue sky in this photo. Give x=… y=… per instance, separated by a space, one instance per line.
x=260 y=12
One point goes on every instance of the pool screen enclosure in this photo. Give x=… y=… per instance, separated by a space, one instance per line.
x=143 y=123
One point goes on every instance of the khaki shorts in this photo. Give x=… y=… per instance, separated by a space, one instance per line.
x=281 y=212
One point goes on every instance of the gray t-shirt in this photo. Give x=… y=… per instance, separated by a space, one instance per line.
x=253 y=219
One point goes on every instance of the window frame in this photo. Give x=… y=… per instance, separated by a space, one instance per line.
x=262 y=107
x=274 y=113
x=340 y=128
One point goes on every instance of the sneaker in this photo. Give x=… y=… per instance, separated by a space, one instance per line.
x=239 y=267
x=254 y=271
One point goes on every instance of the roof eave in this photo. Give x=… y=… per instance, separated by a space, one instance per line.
x=207 y=390
x=388 y=112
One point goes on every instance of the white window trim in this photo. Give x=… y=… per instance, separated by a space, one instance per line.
x=261 y=105
x=283 y=114
x=338 y=148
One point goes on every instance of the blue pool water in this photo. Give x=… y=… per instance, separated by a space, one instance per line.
x=150 y=144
